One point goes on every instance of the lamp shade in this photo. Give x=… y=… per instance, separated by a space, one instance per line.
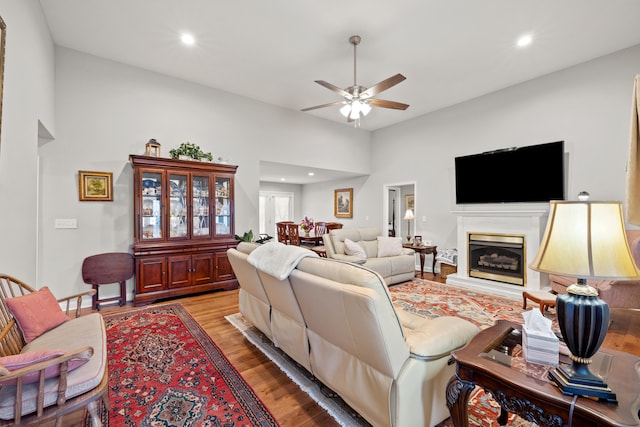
x=586 y=240
x=408 y=214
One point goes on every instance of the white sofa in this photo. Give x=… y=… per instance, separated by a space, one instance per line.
x=393 y=269
x=337 y=320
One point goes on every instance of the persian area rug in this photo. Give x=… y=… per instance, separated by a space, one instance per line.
x=432 y=299
x=164 y=370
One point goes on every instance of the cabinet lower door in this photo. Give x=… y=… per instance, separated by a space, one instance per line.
x=223 y=269
x=179 y=271
x=202 y=268
x=151 y=274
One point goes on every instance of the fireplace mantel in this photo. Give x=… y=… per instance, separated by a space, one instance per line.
x=529 y=221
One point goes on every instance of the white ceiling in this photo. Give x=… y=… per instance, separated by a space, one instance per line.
x=272 y=51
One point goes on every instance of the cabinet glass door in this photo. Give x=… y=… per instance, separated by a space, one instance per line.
x=151 y=223
x=200 y=206
x=223 y=206
x=178 y=206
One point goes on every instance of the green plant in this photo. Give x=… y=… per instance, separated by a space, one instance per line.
x=191 y=150
x=246 y=237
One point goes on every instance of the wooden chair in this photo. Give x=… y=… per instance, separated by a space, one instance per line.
x=321 y=228
x=12 y=342
x=283 y=236
x=333 y=226
x=108 y=268
x=293 y=234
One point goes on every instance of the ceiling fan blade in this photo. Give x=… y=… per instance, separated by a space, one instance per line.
x=334 y=88
x=388 y=104
x=383 y=85
x=330 y=104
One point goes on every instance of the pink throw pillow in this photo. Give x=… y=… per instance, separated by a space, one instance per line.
x=36 y=313
x=23 y=360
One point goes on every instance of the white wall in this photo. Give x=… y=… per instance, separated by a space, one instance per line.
x=27 y=106
x=587 y=106
x=106 y=111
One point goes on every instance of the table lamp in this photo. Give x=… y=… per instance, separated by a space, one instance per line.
x=585 y=240
x=408 y=215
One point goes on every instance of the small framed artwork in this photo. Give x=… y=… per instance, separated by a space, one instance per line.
x=417 y=240
x=409 y=202
x=95 y=186
x=343 y=203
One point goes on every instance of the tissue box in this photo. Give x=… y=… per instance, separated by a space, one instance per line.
x=540 y=347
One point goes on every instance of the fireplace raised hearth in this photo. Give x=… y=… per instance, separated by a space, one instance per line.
x=499 y=257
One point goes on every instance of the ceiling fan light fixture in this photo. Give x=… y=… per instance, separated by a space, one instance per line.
x=345 y=110
x=365 y=108
x=358 y=100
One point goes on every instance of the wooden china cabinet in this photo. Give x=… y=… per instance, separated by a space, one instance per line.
x=183 y=226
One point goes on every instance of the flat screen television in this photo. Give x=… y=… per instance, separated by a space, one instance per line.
x=519 y=174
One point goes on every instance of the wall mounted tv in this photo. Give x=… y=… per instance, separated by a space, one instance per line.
x=519 y=174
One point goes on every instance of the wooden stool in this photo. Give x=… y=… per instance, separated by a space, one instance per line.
x=543 y=298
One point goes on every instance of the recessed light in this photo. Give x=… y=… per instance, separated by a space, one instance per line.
x=311 y=174
x=282 y=179
x=187 y=39
x=525 y=40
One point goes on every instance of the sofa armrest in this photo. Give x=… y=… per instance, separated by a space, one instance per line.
x=78 y=299
x=430 y=339
x=408 y=251
x=348 y=258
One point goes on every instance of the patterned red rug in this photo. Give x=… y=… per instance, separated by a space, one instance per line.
x=164 y=370
x=432 y=299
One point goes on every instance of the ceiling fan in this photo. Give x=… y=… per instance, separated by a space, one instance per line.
x=358 y=100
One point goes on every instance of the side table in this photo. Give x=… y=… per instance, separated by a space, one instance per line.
x=522 y=388
x=422 y=251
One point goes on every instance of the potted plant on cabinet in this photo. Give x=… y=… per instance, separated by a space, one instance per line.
x=188 y=150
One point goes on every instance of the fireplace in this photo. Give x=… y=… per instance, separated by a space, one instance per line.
x=498 y=257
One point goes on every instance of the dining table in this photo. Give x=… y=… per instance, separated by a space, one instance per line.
x=311 y=238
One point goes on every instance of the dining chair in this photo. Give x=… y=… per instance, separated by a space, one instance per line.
x=321 y=228
x=293 y=233
x=333 y=226
x=282 y=231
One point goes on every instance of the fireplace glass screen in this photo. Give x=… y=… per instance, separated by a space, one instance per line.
x=498 y=257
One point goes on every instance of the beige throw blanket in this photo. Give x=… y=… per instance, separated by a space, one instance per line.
x=633 y=170
x=278 y=260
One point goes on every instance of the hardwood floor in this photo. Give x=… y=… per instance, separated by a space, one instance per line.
x=289 y=405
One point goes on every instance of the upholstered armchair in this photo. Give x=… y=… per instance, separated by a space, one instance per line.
x=617 y=293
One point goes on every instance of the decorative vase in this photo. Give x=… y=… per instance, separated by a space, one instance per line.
x=306 y=233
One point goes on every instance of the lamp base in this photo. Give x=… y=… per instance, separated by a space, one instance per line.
x=576 y=379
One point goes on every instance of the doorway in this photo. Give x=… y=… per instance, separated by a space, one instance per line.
x=274 y=207
x=395 y=199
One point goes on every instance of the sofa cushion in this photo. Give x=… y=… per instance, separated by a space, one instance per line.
x=23 y=360
x=354 y=249
x=389 y=246
x=36 y=313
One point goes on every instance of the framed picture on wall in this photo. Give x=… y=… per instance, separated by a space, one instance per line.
x=409 y=202
x=343 y=203
x=3 y=31
x=95 y=186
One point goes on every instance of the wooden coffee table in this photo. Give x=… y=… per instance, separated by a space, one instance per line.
x=530 y=394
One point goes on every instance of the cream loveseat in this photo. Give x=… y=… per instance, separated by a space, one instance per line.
x=337 y=320
x=399 y=267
